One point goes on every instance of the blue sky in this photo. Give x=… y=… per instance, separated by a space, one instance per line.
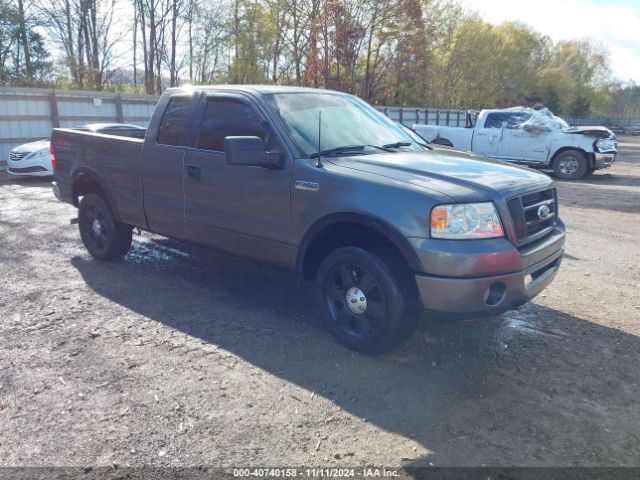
x=615 y=23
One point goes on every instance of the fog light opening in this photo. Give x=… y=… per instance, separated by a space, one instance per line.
x=527 y=280
x=494 y=295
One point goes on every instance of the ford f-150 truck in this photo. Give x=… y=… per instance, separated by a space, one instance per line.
x=321 y=183
x=532 y=137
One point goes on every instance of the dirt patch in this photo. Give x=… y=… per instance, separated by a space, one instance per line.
x=180 y=356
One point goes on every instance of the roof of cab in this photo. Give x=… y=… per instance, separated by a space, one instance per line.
x=256 y=89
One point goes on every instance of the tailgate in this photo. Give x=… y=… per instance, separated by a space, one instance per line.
x=112 y=161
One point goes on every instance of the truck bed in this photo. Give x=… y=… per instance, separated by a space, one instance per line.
x=114 y=159
x=459 y=137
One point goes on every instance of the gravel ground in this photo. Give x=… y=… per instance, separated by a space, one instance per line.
x=179 y=356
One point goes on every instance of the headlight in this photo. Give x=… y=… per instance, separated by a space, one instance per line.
x=466 y=221
x=605 y=144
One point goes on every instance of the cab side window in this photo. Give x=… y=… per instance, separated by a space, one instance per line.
x=224 y=118
x=493 y=120
x=512 y=119
x=173 y=121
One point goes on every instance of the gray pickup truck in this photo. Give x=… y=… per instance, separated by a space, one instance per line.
x=321 y=183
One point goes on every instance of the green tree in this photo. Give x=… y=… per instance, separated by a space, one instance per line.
x=24 y=60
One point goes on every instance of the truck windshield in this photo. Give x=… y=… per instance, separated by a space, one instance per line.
x=346 y=120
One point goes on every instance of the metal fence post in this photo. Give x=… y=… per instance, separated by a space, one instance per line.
x=438 y=117
x=53 y=107
x=119 y=113
x=401 y=116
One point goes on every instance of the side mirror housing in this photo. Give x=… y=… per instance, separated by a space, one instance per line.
x=535 y=129
x=249 y=151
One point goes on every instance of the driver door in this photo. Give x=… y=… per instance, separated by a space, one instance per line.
x=529 y=144
x=238 y=208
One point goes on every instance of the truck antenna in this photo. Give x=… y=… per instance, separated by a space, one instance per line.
x=319 y=157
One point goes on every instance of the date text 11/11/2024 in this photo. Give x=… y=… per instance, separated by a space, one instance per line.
x=314 y=473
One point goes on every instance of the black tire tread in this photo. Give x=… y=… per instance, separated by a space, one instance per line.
x=398 y=329
x=120 y=240
x=582 y=170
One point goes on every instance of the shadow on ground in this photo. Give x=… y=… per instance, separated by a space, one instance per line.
x=5 y=178
x=534 y=387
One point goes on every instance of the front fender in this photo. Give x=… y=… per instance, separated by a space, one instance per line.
x=381 y=226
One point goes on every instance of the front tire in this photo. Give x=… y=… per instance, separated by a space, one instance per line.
x=366 y=306
x=570 y=165
x=103 y=236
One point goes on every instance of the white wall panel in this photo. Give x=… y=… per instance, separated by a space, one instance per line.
x=25 y=114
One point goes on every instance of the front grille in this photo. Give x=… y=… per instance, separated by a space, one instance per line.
x=34 y=169
x=526 y=212
x=15 y=156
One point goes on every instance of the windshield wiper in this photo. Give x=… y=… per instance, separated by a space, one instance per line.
x=359 y=149
x=397 y=145
x=343 y=149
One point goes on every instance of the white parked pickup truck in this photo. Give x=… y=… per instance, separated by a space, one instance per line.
x=536 y=138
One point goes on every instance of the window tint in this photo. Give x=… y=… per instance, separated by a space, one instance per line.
x=513 y=119
x=225 y=118
x=173 y=121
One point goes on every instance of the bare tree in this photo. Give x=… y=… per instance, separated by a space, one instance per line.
x=84 y=29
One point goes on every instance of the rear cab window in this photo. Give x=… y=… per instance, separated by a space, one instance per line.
x=172 y=126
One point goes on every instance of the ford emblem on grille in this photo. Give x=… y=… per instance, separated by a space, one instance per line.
x=544 y=212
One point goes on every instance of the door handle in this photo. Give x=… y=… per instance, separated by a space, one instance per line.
x=192 y=170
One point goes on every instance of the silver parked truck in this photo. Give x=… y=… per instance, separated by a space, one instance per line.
x=536 y=138
x=321 y=183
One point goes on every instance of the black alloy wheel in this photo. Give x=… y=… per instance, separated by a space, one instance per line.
x=355 y=300
x=103 y=236
x=365 y=303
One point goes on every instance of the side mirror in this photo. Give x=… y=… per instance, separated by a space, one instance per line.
x=249 y=151
x=535 y=129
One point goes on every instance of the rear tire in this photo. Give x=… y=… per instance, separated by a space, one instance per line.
x=103 y=236
x=365 y=305
x=570 y=165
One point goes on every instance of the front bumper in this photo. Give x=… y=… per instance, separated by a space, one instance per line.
x=603 y=160
x=39 y=166
x=485 y=277
x=484 y=296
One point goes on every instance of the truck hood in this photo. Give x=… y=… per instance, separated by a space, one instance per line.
x=598 y=132
x=459 y=175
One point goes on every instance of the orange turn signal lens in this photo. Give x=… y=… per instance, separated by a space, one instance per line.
x=439 y=218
